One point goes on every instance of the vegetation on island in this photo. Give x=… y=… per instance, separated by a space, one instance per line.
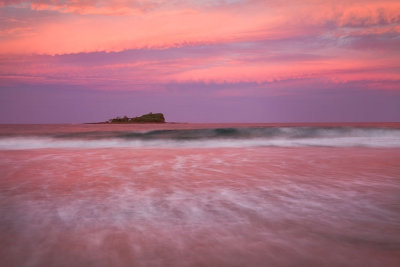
x=146 y=118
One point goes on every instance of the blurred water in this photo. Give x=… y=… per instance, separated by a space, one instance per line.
x=197 y=136
x=249 y=206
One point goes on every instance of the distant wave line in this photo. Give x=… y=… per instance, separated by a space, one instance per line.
x=209 y=138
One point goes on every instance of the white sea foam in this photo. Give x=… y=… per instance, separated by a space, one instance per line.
x=209 y=138
x=20 y=143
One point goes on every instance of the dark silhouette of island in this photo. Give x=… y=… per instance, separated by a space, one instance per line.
x=146 y=118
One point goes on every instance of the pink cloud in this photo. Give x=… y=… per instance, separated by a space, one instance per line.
x=164 y=29
x=248 y=41
x=83 y=7
x=339 y=70
x=114 y=7
x=188 y=68
x=158 y=24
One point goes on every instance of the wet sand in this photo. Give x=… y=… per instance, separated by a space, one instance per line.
x=258 y=206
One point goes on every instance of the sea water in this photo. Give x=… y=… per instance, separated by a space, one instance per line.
x=200 y=195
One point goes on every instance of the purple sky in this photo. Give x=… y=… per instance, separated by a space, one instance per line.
x=197 y=103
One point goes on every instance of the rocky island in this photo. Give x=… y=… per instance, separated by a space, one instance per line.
x=146 y=118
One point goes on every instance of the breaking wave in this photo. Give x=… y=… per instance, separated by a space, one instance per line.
x=218 y=137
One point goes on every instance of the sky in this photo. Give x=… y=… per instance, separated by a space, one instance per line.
x=70 y=61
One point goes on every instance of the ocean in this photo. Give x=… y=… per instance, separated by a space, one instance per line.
x=200 y=194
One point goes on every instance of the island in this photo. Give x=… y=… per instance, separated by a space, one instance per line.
x=146 y=118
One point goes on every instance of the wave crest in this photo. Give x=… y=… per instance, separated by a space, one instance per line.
x=211 y=137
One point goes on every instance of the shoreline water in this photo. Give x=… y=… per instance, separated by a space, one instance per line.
x=32 y=128
x=198 y=135
x=211 y=206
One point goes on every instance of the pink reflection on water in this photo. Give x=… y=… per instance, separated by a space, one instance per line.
x=214 y=206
